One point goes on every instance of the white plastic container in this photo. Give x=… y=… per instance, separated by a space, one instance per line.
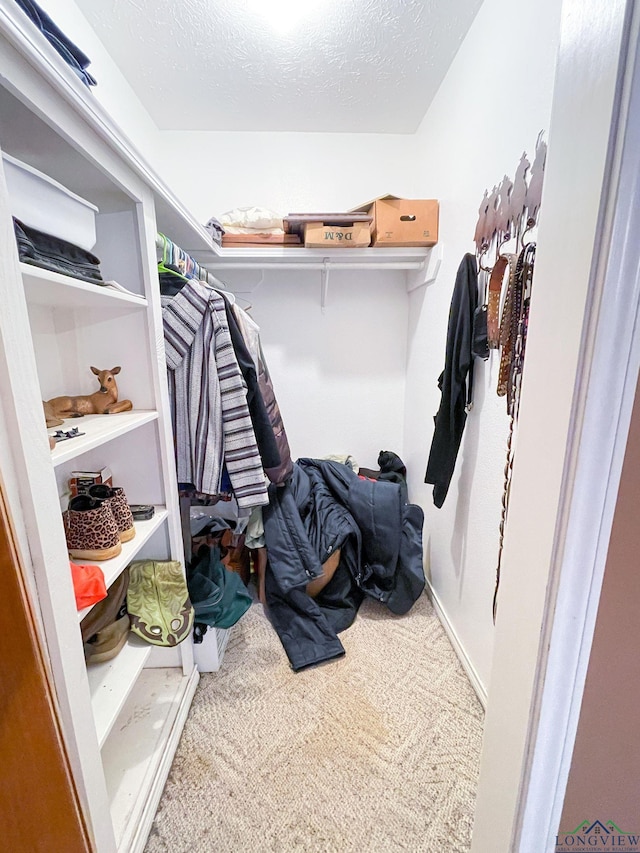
x=44 y=204
x=209 y=653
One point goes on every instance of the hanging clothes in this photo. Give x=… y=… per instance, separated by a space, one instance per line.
x=267 y=446
x=277 y=474
x=208 y=399
x=455 y=382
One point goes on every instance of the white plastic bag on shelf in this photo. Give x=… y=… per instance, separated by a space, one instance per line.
x=252 y=219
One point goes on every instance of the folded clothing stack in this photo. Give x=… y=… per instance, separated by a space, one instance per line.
x=52 y=253
x=71 y=53
x=255 y=226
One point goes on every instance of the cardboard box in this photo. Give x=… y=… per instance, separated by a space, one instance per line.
x=294 y=223
x=317 y=235
x=402 y=221
x=80 y=481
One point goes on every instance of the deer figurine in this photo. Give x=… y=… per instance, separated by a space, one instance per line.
x=102 y=402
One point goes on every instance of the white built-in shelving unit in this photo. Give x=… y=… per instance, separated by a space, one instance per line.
x=122 y=718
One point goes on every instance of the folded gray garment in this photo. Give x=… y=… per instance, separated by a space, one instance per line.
x=214 y=523
x=51 y=253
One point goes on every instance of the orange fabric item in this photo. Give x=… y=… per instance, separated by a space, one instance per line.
x=235 y=554
x=329 y=567
x=88 y=584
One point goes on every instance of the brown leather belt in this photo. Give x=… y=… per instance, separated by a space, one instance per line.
x=493 y=300
x=509 y=324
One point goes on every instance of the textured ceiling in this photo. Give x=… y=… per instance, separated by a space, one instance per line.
x=343 y=65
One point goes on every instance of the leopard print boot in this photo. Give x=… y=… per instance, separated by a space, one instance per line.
x=117 y=500
x=91 y=530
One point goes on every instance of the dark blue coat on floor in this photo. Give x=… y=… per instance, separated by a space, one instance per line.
x=326 y=506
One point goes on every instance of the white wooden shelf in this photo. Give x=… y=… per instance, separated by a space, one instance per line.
x=421 y=265
x=296 y=258
x=44 y=287
x=114 y=567
x=137 y=755
x=371 y=253
x=97 y=429
x=111 y=682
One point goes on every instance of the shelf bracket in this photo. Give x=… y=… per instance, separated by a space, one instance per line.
x=429 y=271
x=324 y=285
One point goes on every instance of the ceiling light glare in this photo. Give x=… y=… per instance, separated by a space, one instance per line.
x=283 y=15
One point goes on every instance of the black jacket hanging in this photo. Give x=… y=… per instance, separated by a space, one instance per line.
x=265 y=439
x=455 y=382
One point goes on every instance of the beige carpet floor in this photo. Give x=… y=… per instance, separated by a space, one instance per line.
x=376 y=752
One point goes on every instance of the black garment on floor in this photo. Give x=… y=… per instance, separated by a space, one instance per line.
x=51 y=253
x=455 y=382
x=392 y=469
x=72 y=55
x=265 y=439
x=325 y=506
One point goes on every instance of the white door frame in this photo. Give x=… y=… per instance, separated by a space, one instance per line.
x=583 y=362
x=610 y=371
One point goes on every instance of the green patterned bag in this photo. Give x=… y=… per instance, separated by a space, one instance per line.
x=158 y=602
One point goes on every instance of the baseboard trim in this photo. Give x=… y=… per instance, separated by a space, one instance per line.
x=459 y=649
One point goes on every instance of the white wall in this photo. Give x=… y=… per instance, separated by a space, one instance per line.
x=493 y=102
x=339 y=376
x=289 y=172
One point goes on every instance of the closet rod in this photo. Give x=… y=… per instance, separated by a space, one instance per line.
x=318 y=265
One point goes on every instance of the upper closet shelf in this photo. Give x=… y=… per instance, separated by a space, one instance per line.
x=420 y=265
x=301 y=258
x=29 y=82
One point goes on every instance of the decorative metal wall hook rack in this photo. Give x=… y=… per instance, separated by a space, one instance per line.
x=511 y=209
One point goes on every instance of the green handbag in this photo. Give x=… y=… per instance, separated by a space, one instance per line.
x=219 y=597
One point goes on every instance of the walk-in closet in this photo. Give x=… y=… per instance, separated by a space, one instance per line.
x=318 y=367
